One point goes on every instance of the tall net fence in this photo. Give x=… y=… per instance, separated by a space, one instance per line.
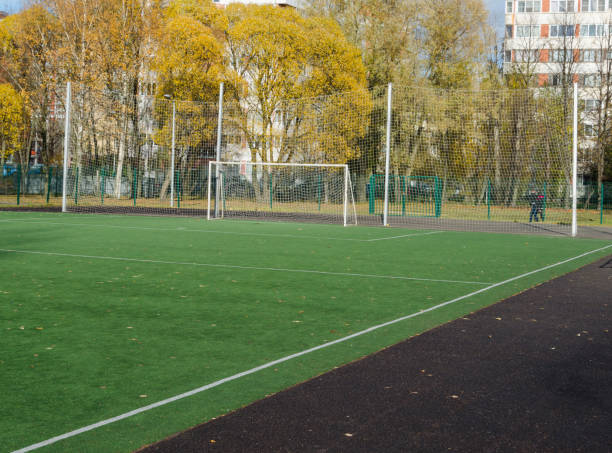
x=139 y=154
x=597 y=200
x=489 y=160
x=483 y=161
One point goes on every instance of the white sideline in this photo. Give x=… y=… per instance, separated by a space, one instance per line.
x=189 y=230
x=287 y=358
x=234 y=266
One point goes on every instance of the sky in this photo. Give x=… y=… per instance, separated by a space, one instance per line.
x=11 y=6
x=496 y=14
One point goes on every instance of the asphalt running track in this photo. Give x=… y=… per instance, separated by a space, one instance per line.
x=532 y=373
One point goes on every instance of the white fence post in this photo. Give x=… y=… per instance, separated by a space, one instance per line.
x=219 y=132
x=66 y=144
x=172 y=155
x=387 y=156
x=575 y=165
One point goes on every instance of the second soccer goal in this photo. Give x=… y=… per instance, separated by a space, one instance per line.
x=275 y=191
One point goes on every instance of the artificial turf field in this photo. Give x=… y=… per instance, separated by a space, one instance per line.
x=103 y=315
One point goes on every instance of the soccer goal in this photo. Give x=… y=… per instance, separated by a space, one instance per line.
x=278 y=191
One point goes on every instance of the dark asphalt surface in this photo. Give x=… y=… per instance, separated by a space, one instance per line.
x=532 y=373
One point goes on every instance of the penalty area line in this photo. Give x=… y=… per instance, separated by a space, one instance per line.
x=235 y=266
x=140 y=410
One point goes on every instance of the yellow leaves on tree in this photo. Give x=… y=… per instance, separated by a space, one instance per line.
x=455 y=41
x=189 y=64
x=11 y=120
x=189 y=60
x=275 y=54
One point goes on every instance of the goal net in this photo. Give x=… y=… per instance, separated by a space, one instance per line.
x=301 y=192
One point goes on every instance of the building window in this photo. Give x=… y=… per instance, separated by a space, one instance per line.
x=562 y=6
x=527 y=56
x=554 y=79
x=593 y=5
x=509 y=6
x=509 y=31
x=558 y=31
x=593 y=30
x=561 y=55
x=529 y=6
x=590 y=55
x=507 y=56
x=591 y=105
x=590 y=130
x=590 y=80
x=527 y=31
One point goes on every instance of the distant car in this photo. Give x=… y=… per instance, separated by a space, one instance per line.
x=35 y=169
x=8 y=170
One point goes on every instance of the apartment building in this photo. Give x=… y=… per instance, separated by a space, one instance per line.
x=557 y=41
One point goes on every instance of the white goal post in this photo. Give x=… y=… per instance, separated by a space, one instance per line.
x=281 y=191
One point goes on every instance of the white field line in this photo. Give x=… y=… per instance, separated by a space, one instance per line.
x=234 y=266
x=188 y=230
x=287 y=358
x=404 y=236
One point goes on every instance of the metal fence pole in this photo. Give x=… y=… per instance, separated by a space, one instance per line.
x=172 y=155
x=66 y=145
x=387 y=156
x=575 y=165
x=218 y=158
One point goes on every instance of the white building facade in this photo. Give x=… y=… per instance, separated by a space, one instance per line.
x=550 y=39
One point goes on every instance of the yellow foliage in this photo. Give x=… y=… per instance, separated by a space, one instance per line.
x=275 y=54
x=189 y=61
x=11 y=120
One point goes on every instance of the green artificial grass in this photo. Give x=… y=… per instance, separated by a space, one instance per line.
x=112 y=313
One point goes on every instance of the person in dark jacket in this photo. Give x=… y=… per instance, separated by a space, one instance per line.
x=537 y=204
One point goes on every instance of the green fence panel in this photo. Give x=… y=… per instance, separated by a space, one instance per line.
x=18 y=183
x=409 y=196
x=49 y=177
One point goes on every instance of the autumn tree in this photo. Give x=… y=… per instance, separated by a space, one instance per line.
x=386 y=32
x=27 y=41
x=454 y=41
x=126 y=50
x=275 y=55
x=12 y=122
x=189 y=63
